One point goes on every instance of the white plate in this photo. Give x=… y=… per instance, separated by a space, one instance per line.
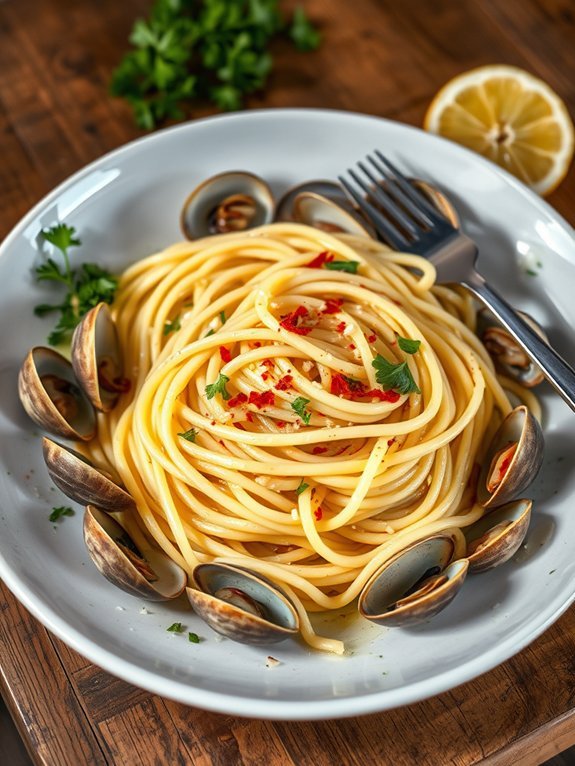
x=125 y=206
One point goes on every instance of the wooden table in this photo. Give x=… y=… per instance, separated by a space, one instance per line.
x=381 y=57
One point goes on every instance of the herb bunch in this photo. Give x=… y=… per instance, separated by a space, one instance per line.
x=214 y=50
x=86 y=286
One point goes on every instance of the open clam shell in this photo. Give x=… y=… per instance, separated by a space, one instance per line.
x=333 y=191
x=97 y=359
x=414 y=585
x=512 y=460
x=328 y=215
x=496 y=537
x=52 y=397
x=508 y=355
x=82 y=481
x=232 y=201
x=242 y=605
x=148 y=574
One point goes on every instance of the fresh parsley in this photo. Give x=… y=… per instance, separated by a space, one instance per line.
x=86 y=286
x=209 y=332
x=193 y=638
x=58 y=513
x=408 y=345
x=172 y=326
x=219 y=387
x=350 y=266
x=175 y=627
x=394 y=376
x=298 y=406
x=189 y=435
x=223 y=317
x=198 y=50
x=302 y=487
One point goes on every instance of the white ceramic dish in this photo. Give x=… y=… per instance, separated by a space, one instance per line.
x=125 y=206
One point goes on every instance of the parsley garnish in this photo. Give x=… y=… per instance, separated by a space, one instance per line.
x=209 y=332
x=215 y=50
x=219 y=387
x=175 y=627
x=193 y=638
x=87 y=286
x=408 y=345
x=302 y=487
x=394 y=376
x=172 y=326
x=350 y=266
x=298 y=406
x=57 y=513
x=189 y=435
x=223 y=317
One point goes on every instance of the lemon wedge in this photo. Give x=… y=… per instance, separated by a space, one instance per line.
x=511 y=117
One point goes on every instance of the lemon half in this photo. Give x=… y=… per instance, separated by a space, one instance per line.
x=511 y=117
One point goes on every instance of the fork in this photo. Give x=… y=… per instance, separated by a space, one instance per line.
x=407 y=221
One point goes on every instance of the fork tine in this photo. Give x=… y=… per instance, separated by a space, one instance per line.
x=384 y=228
x=416 y=196
x=395 y=191
x=382 y=198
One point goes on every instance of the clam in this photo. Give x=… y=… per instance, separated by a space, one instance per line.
x=507 y=353
x=438 y=200
x=414 y=585
x=242 y=605
x=81 y=480
x=148 y=574
x=512 y=460
x=52 y=397
x=97 y=359
x=327 y=189
x=497 y=536
x=228 y=202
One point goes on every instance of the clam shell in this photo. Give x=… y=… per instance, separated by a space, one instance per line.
x=329 y=189
x=102 y=534
x=503 y=530
x=81 y=481
x=521 y=428
x=94 y=340
x=501 y=344
x=402 y=574
x=205 y=198
x=328 y=215
x=40 y=362
x=281 y=619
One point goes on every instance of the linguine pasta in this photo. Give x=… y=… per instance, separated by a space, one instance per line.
x=256 y=430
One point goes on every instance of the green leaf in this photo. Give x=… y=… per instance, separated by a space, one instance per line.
x=172 y=326
x=219 y=387
x=298 y=406
x=175 y=627
x=395 y=377
x=61 y=236
x=58 y=513
x=223 y=317
x=408 y=345
x=193 y=638
x=304 y=35
x=302 y=487
x=350 y=267
x=189 y=435
x=50 y=271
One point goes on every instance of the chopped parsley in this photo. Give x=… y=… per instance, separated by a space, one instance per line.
x=86 y=286
x=193 y=638
x=175 y=627
x=408 y=345
x=394 y=376
x=58 y=513
x=219 y=387
x=350 y=266
x=302 y=487
x=209 y=332
x=223 y=317
x=189 y=435
x=172 y=326
x=298 y=406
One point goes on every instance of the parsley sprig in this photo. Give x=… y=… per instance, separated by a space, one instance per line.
x=396 y=377
x=350 y=267
x=86 y=286
x=202 y=49
x=58 y=513
x=298 y=406
x=219 y=387
x=408 y=345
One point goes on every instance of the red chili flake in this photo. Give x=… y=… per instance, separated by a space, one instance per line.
x=332 y=305
x=240 y=426
x=341 y=327
x=250 y=416
x=225 y=354
x=371 y=338
x=255 y=344
x=292 y=321
x=263 y=399
x=281 y=423
x=352 y=346
x=320 y=260
x=383 y=396
x=267 y=362
x=238 y=399
x=344 y=386
x=284 y=383
x=390 y=442
x=265 y=375
x=318 y=513
x=319 y=450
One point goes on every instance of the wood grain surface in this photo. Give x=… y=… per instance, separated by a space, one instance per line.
x=380 y=57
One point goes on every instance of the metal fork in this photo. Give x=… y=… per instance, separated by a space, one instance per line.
x=410 y=223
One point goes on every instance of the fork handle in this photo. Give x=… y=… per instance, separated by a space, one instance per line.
x=554 y=367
